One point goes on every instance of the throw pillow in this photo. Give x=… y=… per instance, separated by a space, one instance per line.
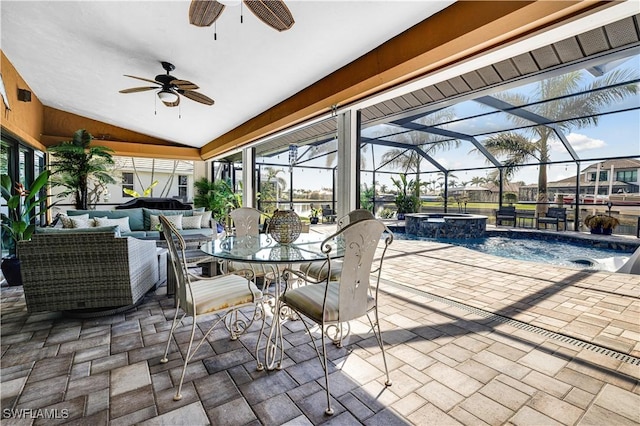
x=191 y=222
x=123 y=222
x=176 y=219
x=78 y=222
x=206 y=218
x=66 y=220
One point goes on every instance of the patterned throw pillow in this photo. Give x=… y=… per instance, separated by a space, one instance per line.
x=79 y=222
x=176 y=219
x=206 y=218
x=66 y=220
x=191 y=222
x=123 y=222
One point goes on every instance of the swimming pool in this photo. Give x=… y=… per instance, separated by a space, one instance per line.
x=531 y=249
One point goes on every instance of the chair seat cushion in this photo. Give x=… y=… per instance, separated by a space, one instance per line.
x=223 y=292
x=259 y=269
x=308 y=301
x=318 y=270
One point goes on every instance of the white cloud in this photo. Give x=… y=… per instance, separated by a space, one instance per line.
x=579 y=142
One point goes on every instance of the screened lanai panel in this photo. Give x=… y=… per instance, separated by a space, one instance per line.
x=482 y=124
x=583 y=105
x=319 y=154
x=621 y=36
x=623 y=33
x=314 y=134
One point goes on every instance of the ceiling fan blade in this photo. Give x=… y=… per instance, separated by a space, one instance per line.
x=203 y=13
x=274 y=13
x=198 y=97
x=143 y=79
x=184 y=85
x=138 y=89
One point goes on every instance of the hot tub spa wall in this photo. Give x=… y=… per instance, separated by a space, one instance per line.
x=451 y=226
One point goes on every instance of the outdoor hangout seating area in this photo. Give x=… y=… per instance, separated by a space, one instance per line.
x=427 y=215
x=469 y=339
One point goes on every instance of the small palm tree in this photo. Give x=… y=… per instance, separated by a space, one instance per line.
x=76 y=163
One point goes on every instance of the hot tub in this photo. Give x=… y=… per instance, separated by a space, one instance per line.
x=445 y=225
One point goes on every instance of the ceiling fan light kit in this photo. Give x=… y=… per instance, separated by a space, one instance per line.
x=167 y=96
x=170 y=88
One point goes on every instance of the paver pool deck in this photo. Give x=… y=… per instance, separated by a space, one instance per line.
x=470 y=338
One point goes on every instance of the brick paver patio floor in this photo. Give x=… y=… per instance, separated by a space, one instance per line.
x=471 y=339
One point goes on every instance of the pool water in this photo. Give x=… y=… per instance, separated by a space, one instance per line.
x=535 y=250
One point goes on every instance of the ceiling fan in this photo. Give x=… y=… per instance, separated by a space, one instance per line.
x=275 y=13
x=170 y=88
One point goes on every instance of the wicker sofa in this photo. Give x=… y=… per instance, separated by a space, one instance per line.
x=80 y=271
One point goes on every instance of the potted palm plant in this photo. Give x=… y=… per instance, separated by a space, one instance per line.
x=17 y=223
x=76 y=163
x=601 y=224
x=315 y=212
x=407 y=200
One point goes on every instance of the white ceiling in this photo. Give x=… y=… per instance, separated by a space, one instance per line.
x=73 y=55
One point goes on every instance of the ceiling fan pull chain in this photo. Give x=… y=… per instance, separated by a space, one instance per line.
x=215 y=31
x=155 y=106
x=179 y=112
x=241 y=11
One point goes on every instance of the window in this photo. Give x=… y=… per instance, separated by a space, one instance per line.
x=603 y=176
x=627 y=176
x=182 y=186
x=127 y=182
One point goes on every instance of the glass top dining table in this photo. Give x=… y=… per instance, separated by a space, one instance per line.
x=263 y=248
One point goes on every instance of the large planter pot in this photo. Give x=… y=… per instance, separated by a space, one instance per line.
x=601 y=231
x=313 y=220
x=400 y=216
x=11 y=270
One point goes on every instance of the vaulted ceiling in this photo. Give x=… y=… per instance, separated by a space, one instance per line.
x=74 y=56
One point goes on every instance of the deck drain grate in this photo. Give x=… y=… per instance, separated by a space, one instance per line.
x=522 y=325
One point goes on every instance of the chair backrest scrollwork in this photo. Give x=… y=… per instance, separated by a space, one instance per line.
x=246 y=221
x=360 y=241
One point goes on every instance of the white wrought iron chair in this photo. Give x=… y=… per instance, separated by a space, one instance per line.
x=245 y=221
x=223 y=295
x=351 y=296
x=316 y=271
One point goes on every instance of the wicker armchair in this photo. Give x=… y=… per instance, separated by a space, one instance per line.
x=71 y=271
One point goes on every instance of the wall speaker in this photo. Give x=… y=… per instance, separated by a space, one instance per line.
x=24 y=95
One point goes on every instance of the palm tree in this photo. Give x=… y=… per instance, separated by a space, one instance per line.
x=76 y=164
x=272 y=187
x=409 y=160
x=478 y=180
x=568 y=112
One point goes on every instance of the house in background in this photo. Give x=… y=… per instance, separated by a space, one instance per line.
x=175 y=180
x=615 y=180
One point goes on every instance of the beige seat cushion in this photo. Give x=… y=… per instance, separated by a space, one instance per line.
x=318 y=270
x=223 y=293
x=308 y=300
